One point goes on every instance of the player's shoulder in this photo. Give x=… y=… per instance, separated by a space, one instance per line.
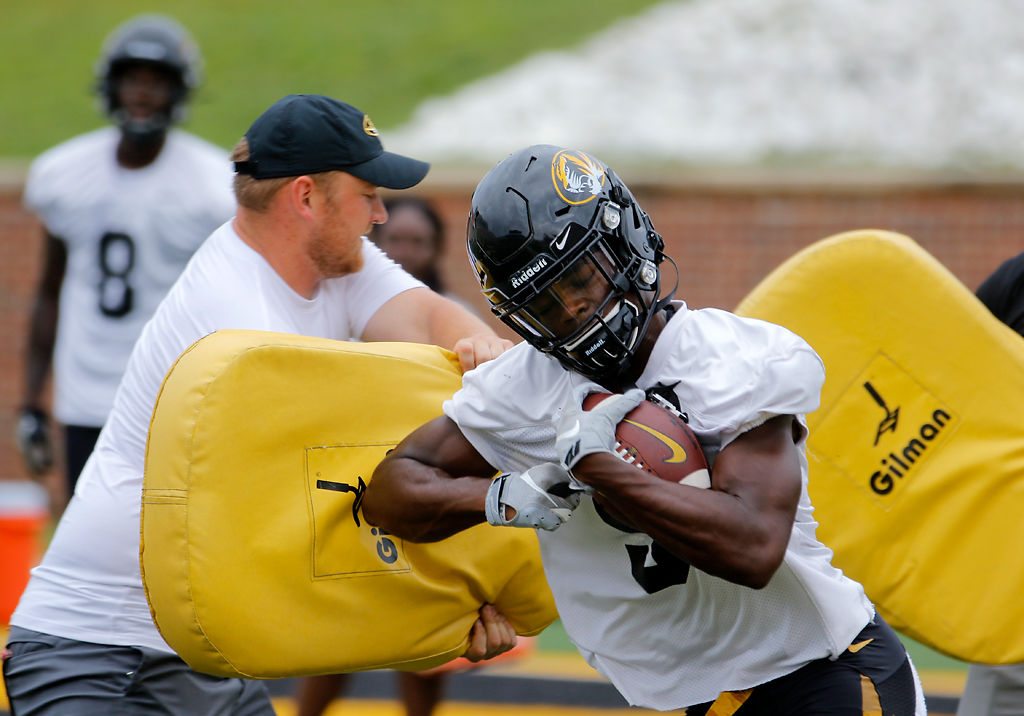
x=70 y=171
x=724 y=328
x=520 y=374
x=198 y=174
x=195 y=149
x=521 y=387
x=728 y=369
x=518 y=360
x=70 y=154
x=713 y=345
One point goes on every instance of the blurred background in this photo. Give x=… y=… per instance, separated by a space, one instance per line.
x=749 y=129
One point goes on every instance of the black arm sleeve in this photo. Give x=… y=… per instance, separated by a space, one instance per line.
x=1003 y=293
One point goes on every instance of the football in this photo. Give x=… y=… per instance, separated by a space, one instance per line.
x=656 y=439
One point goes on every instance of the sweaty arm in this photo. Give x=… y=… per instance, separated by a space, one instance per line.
x=421 y=316
x=415 y=495
x=32 y=430
x=737 y=530
x=432 y=485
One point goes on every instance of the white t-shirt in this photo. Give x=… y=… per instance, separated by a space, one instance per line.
x=129 y=234
x=88 y=586
x=687 y=641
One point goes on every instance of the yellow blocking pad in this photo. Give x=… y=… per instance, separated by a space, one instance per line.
x=917 y=451
x=256 y=560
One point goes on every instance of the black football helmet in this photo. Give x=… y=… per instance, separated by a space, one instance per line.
x=566 y=257
x=154 y=40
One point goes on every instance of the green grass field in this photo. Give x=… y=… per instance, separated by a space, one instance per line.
x=384 y=57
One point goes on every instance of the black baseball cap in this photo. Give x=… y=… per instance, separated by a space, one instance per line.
x=309 y=133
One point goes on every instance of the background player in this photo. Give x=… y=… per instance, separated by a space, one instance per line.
x=123 y=209
x=413 y=237
x=721 y=600
x=998 y=690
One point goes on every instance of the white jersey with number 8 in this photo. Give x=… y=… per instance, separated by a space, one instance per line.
x=128 y=234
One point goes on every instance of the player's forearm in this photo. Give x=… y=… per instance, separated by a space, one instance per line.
x=39 y=355
x=43 y=322
x=421 y=503
x=715 y=531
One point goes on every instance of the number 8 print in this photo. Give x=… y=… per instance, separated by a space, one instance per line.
x=117 y=258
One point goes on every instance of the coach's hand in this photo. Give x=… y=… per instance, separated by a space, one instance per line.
x=482 y=347
x=583 y=432
x=540 y=497
x=492 y=634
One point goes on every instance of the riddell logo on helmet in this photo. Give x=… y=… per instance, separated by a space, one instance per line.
x=528 y=273
x=590 y=350
x=577 y=177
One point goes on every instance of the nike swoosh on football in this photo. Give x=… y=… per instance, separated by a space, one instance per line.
x=854 y=648
x=678 y=453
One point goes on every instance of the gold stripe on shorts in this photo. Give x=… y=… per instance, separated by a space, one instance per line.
x=869 y=697
x=729 y=702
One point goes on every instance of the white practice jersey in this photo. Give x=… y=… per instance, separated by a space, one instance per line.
x=129 y=234
x=89 y=585
x=694 y=635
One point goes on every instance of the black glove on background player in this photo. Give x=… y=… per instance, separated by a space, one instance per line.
x=32 y=434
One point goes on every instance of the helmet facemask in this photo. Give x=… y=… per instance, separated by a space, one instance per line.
x=149 y=129
x=155 y=41
x=592 y=313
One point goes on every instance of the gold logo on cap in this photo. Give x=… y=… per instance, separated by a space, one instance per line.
x=577 y=177
x=368 y=126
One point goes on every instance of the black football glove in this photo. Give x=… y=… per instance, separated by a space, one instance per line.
x=32 y=434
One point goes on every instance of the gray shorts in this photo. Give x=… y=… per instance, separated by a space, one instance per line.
x=993 y=691
x=50 y=676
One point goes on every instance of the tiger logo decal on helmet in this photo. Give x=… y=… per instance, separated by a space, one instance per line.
x=577 y=177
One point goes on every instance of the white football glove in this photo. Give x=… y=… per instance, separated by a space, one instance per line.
x=583 y=432
x=540 y=496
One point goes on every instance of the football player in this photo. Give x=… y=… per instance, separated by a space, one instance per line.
x=719 y=600
x=998 y=690
x=123 y=208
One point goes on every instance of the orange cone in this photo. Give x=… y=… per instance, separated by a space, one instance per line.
x=23 y=515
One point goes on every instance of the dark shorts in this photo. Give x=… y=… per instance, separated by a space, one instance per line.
x=49 y=676
x=79 y=440
x=873 y=676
